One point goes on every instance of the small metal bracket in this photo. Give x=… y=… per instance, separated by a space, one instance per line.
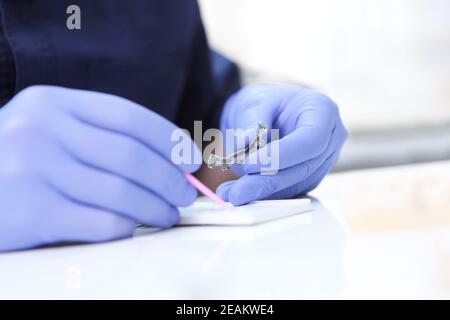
x=215 y=161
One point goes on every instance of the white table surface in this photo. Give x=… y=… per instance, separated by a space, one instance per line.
x=381 y=233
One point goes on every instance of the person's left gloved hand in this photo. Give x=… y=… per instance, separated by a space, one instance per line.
x=311 y=135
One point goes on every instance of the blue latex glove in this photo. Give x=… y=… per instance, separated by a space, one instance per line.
x=311 y=137
x=84 y=166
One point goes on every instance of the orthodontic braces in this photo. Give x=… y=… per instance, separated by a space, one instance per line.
x=215 y=161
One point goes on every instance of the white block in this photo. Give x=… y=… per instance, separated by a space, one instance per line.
x=208 y=213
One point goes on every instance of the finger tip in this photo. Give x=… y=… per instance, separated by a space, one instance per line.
x=223 y=191
x=190 y=168
x=189 y=198
x=237 y=198
x=171 y=219
x=238 y=202
x=166 y=220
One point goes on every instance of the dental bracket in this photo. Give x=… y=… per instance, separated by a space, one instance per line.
x=224 y=163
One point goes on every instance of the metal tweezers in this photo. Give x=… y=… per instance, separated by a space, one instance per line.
x=215 y=161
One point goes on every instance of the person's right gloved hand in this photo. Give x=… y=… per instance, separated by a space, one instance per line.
x=84 y=166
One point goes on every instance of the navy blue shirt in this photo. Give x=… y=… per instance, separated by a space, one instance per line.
x=7 y=69
x=153 y=52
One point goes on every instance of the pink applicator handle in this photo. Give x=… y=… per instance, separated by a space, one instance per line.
x=206 y=191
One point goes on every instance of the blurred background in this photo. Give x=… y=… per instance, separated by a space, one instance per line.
x=385 y=62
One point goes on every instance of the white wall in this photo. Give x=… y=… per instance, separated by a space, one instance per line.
x=386 y=62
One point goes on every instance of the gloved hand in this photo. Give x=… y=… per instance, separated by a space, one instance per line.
x=311 y=136
x=84 y=166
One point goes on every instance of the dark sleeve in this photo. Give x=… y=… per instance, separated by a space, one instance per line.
x=7 y=67
x=211 y=79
